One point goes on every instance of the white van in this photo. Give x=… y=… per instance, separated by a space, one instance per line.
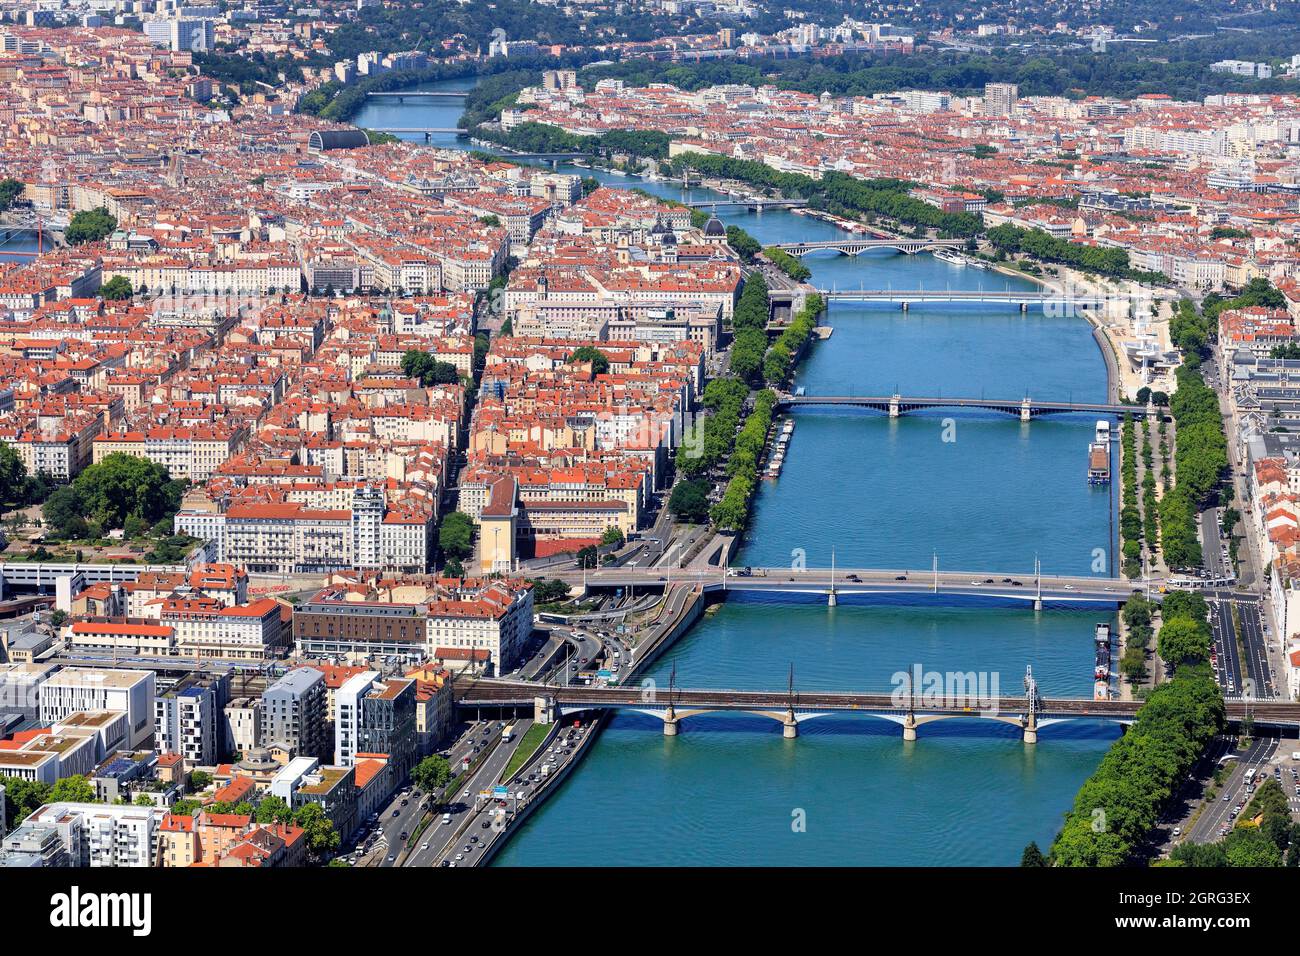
x=446 y=819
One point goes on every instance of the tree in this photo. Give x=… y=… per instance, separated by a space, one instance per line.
x=186 y=807
x=1033 y=856
x=10 y=189
x=13 y=477
x=589 y=353
x=319 y=830
x=199 y=780
x=427 y=369
x=89 y=225
x=456 y=535
x=23 y=796
x=63 y=511
x=689 y=501
x=274 y=810
x=116 y=288
x=613 y=536
x=74 y=789
x=58 y=618
x=588 y=557
x=432 y=773
x=1183 y=639
x=549 y=590
x=123 y=485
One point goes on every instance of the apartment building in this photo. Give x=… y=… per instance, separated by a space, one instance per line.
x=74 y=689
x=188 y=718
x=294 y=713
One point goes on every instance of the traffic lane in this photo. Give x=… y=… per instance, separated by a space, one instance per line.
x=1225 y=646
x=1220 y=811
x=1256 y=650
x=443 y=838
x=564 y=748
x=1210 y=545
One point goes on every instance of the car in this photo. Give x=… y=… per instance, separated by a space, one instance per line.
x=900 y=577
x=1227 y=797
x=469 y=848
x=465 y=795
x=424 y=845
x=459 y=857
x=853 y=577
x=446 y=819
x=487 y=824
x=1178 y=831
x=1006 y=580
x=405 y=836
x=1069 y=587
x=392 y=857
x=405 y=801
x=445 y=863
x=474 y=838
x=975 y=582
x=1017 y=584
x=988 y=580
x=397 y=813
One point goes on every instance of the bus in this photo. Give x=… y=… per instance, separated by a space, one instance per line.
x=1250 y=776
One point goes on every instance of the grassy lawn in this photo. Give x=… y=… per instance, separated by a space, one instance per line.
x=527 y=747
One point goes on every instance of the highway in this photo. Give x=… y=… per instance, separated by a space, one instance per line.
x=1218 y=812
x=442 y=839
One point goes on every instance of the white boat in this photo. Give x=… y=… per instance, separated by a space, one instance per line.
x=1103 y=432
x=947 y=255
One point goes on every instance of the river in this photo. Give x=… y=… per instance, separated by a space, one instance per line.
x=970 y=491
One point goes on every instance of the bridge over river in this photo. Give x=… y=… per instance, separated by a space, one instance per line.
x=1024 y=408
x=961 y=697
x=1036 y=590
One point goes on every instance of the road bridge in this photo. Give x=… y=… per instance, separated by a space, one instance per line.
x=757 y=204
x=855 y=247
x=909 y=297
x=1036 y=590
x=400 y=95
x=962 y=697
x=1025 y=408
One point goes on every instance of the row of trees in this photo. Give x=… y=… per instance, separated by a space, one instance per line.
x=749 y=323
x=1263 y=836
x=1138 y=613
x=1184 y=629
x=1130 y=519
x=713 y=438
x=787 y=263
x=1120 y=803
x=732 y=512
x=1037 y=244
x=780 y=357
x=1200 y=461
x=456 y=539
x=837 y=192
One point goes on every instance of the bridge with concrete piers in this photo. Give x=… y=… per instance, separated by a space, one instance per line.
x=757 y=204
x=427 y=131
x=855 y=247
x=1024 y=408
x=420 y=94
x=1039 y=591
x=910 y=297
x=961 y=697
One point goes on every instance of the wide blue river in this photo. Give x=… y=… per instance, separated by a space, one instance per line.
x=970 y=491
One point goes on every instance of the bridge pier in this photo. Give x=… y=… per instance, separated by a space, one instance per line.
x=1038 y=604
x=1024 y=307
x=894 y=409
x=1031 y=729
x=671 y=722
x=543 y=710
x=1025 y=413
x=831 y=599
x=905 y=307
x=790 y=727
x=909 y=726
